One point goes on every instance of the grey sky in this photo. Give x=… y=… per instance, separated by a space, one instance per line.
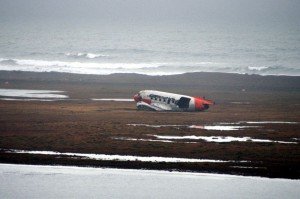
x=152 y=11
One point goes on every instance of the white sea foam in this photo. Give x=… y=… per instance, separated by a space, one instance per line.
x=32 y=93
x=257 y=68
x=86 y=55
x=120 y=157
x=84 y=67
x=219 y=139
x=105 y=68
x=113 y=99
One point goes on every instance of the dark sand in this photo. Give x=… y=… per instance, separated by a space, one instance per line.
x=84 y=126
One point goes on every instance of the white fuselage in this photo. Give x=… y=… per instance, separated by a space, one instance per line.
x=166 y=101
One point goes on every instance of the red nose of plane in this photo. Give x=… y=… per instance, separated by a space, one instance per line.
x=137 y=98
x=202 y=104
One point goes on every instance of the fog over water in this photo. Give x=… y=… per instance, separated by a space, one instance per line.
x=268 y=12
x=158 y=37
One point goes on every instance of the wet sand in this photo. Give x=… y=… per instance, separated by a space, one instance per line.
x=80 y=125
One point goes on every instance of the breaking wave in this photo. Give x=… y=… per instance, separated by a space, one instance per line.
x=7 y=61
x=274 y=70
x=151 y=68
x=85 y=55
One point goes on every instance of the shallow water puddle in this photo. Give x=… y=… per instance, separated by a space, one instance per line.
x=205 y=127
x=259 y=122
x=215 y=128
x=178 y=139
x=220 y=127
x=40 y=94
x=120 y=157
x=157 y=126
x=219 y=139
x=28 y=99
x=113 y=99
x=141 y=139
x=149 y=140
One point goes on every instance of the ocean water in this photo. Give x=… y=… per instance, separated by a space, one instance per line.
x=163 y=49
x=29 y=181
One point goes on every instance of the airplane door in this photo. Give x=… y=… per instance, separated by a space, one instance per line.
x=184 y=102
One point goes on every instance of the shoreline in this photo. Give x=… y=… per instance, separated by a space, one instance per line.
x=154 y=75
x=151 y=171
x=194 y=168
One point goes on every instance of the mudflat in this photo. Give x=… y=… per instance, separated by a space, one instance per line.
x=264 y=109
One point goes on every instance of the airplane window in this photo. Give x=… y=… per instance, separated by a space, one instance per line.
x=159 y=99
x=173 y=100
x=155 y=98
x=169 y=100
x=164 y=99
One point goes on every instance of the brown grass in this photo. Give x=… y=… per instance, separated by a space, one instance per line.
x=84 y=126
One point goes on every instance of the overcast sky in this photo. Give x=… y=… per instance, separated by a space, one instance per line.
x=286 y=12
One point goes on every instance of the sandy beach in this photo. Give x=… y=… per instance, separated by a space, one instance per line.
x=266 y=108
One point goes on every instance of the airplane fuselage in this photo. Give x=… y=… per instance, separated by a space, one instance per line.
x=163 y=101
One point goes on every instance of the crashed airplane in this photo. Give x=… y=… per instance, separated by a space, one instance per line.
x=162 y=101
